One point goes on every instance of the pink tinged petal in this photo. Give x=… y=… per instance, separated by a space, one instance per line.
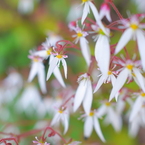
x=64 y=67
x=115 y=119
x=41 y=78
x=98 y=129
x=85 y=50
x=88 y=126
x=86 y=11
x=141 y=46
x=108 y=16
x=101 y=111
x=42 y=53
x=33 y=71
x=120 y=81
x=55 y=119
x=94 y=10
x=136 y=108
x=87 y=103
x=140 y=78
x=126 y=36
x=80 y=94
x=105 y=13
x=52 y=66
x=99 y=84
x=58 y=75
x=65 y=123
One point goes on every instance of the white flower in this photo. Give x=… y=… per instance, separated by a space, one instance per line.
x=105 y=11
x=129 y=70
x=137 y=106
x=39 y=142
x=112 y=117
x=105 y=79
x=55 y=62
x=86 y=10
x=63 y=116
x=84 y=93
x=37 y=68
x=25 y=6
x=92 y=120
x=80 y=36
x=102 y=48
x=133 y=30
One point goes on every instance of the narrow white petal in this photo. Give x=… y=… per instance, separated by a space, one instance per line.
x=120 y=106
x=87 y=103
x=86 y=10
x=94 y=10
x=55 y=119
x=58 y=75
x=115 y=119
x=99 y=84
x=85 y=50
x=141 y=46
x=101 y=111
x=41 y=78
x=135 y=109
x=64 y=67
x=88 y=126
x=140 y=78
x=102 y=13
x=80 y=93
x=122 y=77
x=33 y=71
x=98 y=129
x=65 y=123
x=108 y=16
x=52 y=66
x=113 y=79
x=126 y=36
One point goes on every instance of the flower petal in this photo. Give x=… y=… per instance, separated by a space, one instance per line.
x=52 y=66
x=42 y=53
x=122 y=77
x=41 y=78
x=80 y=93
x=85 y=50
x=99 y=84
x=101 y=111
x=135 y=109
x=126 y=36
x=64 y=67
x=141 y=46
x=87 y=103
x=55 y=119
x=33 y=71
x=65 y=122
x=88 y=126
x=98 y=129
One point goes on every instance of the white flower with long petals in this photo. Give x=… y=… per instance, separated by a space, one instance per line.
x=137 y=106
x=109 y=77
x=48 y=52
x=112 y=117
x=37 y=68
x=63 y=116
x=40 y=142
x=105 y=11
x=84 y=93
x=80 y=36
x=55 y=62
x=133 y=30
x=86 y=10
x=130 y=70
x=102 y=48
x=92 y=120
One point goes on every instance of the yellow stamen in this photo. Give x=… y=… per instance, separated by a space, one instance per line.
x=142 y=94
x=101 y=32
x=91 y=114
x=35 y=60
x=109 y=72
x=79 y=34
x=134 y=26
x=59 y=56
x=60 y=111
x=107 y=103
x=133 y=74
x=129 y=66
x=84 y=1
x=48 y=52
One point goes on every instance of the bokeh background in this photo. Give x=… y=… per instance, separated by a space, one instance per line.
x=22 y=29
